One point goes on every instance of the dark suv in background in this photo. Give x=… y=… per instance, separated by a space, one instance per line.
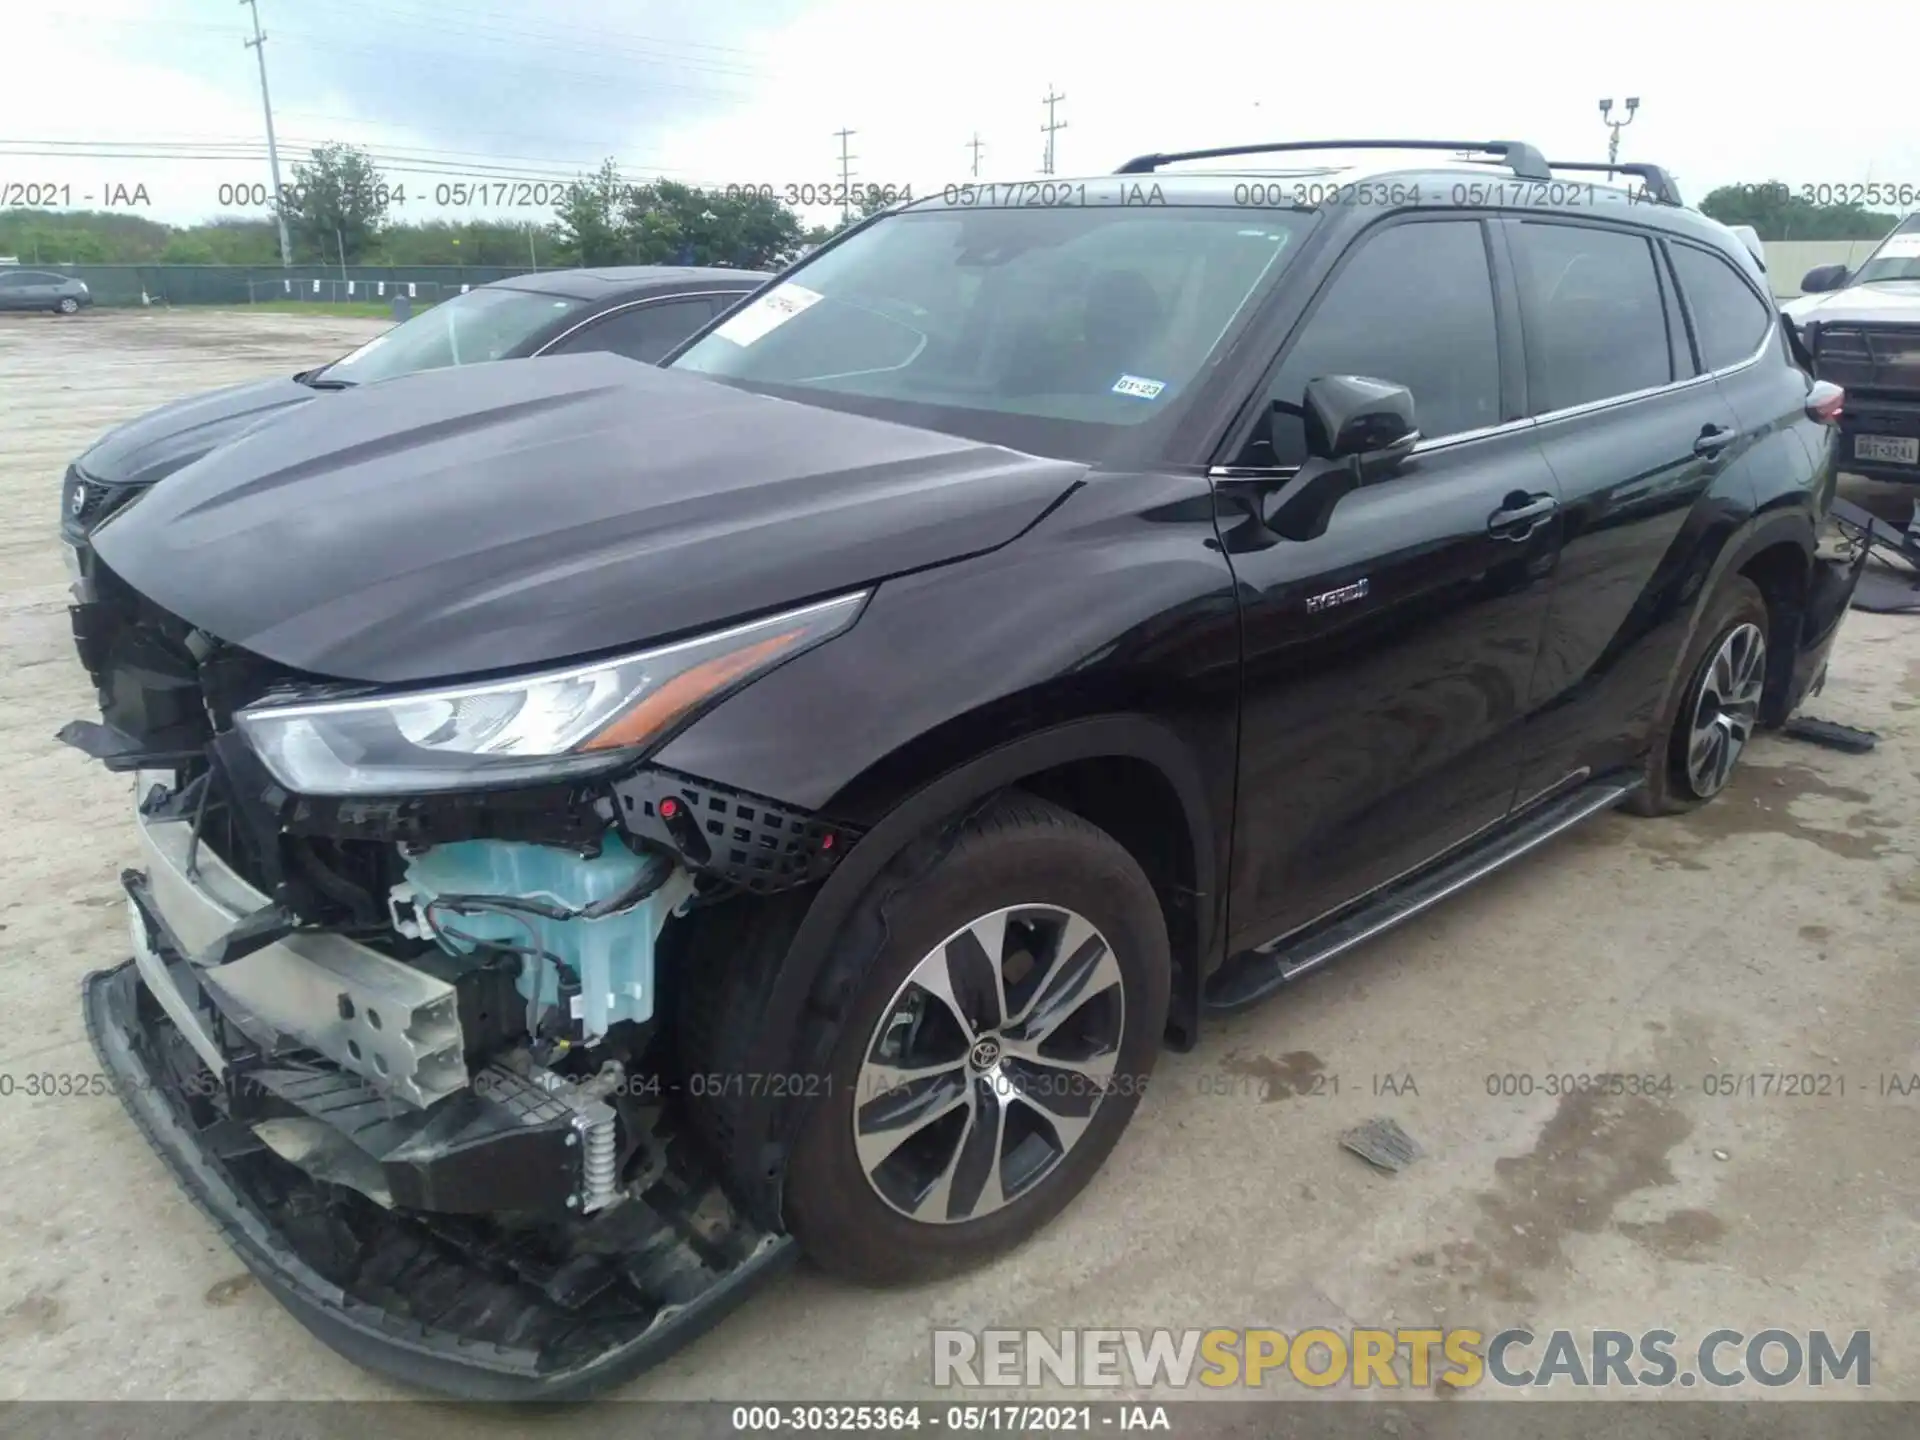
x=640 y=311
x=603 y=829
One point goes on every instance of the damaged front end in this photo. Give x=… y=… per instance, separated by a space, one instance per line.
x=411 y=1050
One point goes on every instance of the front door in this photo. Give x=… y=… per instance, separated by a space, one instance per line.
x=1388 y=662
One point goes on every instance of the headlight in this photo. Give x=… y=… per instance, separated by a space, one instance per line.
x=543 y=726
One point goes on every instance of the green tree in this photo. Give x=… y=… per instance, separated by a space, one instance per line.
x=587 y=228
x=187 y=248
x=667 y=223
x=336 y=205
x=1776 y=213
x=234 y=241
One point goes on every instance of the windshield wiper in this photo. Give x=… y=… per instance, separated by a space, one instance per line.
x=314 y=380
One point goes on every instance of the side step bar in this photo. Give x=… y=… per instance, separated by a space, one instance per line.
x=1256 y=974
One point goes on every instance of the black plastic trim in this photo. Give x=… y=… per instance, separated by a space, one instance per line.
x=410 y=1353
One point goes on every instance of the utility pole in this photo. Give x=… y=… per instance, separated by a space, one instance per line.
x=846 y=176
x=1046 y=167
x=259 y=47
x=1616 y=126
x=974 y=145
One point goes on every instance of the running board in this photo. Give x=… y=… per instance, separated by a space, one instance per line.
x=1256 y=974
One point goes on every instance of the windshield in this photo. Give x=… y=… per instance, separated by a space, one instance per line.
x=984 y=321
x=466 y=330
x=1898 y=257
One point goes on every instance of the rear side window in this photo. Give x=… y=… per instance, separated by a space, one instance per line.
x=1595 y=324
x=645 y=332
x=1729 y=320
x=1413 y=306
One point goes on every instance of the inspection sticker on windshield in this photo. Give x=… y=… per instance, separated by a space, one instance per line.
x=769 y=312
x=1139 y=387
x=1904 y=247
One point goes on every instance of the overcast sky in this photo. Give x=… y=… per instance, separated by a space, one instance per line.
x=711 y=92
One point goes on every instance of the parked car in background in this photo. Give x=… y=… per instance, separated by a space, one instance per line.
x=1862 y=328
x=42 y=290
x=640 y=311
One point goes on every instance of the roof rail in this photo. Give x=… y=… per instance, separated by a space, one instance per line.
x=1660 y=186
x=1525 y=161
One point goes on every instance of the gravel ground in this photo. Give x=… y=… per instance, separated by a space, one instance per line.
x=1772 y=931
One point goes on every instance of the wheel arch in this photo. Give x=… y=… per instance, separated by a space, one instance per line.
x=1127 y=773
x=1775 y=550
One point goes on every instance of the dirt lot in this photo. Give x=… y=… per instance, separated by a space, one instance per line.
x=1771 y=932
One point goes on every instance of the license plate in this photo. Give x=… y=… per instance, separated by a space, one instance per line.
x=1897 y=449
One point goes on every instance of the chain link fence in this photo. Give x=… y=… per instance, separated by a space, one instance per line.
x=243 y=285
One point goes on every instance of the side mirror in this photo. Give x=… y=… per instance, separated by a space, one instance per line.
x=1824 y=277
x=1358 y=429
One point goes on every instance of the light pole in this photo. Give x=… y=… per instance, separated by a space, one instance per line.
x=1616 y=126
x=259 y=47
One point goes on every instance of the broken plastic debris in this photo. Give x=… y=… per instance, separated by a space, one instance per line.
x=1381 y=1142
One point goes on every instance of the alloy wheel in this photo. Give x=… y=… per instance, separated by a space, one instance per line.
x=1726 y=709
x=988 y=1064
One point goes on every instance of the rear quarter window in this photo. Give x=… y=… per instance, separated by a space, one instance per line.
x=1729 y=321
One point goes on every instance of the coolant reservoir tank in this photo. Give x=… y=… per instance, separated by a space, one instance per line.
x=613 y=956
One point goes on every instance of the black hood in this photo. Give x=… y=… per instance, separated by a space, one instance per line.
x=161 y=441
x=491 y=517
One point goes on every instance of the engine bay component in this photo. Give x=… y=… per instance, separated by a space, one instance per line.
x=584 y=927
x=395 y=1024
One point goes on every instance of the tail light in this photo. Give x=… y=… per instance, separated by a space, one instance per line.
x=1824 y=402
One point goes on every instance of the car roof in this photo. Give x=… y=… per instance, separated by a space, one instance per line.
x=610 y=282
x=1499 y=188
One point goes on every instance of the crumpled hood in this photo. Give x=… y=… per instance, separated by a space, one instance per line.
x=1897 y=301
x=161 y=441
x=491 y=517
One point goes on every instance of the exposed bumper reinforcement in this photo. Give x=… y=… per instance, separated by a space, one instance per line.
x=393 y=1024
x=432 y=1307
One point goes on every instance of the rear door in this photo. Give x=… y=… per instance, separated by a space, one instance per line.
x=1388 y=662
x=1735 y=331
x=1647 y=452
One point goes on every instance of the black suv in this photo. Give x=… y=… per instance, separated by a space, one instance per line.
x=604 y=829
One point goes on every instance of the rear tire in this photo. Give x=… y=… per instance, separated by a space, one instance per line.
x=1706 y=728
x=961 y=1114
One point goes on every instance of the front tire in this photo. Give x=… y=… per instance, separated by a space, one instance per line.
x=1704 y=733
x=67 y=305
x=995 y=1048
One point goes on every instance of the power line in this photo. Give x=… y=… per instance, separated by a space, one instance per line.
x=259 y=47
x=1052 y=125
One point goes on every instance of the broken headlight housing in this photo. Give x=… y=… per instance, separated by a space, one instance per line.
x=553 y=723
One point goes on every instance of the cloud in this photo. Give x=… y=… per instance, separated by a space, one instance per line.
x=708 y=94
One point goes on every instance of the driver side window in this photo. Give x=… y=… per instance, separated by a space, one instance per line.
x=1414 y=306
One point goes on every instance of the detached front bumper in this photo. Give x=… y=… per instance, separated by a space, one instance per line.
x=513 y=1304
x=414 y=1306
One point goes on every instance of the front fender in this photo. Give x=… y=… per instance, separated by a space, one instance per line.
x=1111 y=630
